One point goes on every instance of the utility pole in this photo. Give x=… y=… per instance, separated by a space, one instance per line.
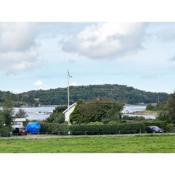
x=68 y=91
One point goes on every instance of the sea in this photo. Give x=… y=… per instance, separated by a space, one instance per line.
x=43 y=112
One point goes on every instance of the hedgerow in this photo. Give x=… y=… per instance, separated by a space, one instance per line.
x=84 y=129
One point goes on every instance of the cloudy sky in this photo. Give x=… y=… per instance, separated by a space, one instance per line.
x=37 y=55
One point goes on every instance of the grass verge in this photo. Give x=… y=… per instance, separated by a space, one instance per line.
x=91 y=144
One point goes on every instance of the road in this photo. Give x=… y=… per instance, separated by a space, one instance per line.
x=40 y=136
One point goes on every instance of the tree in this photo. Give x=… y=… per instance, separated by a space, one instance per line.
x=57 y=116
x=6 y=118
x=8 y=111
x=2 y=120
x=21 y=114
x=167 y=109
x=96 y=111
x=150 y=107
x=58 y=96
x=171 y=108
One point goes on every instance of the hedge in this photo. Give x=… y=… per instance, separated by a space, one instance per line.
x=54 y=128
x=107 y=129
x=5 y=132
x=130 y=128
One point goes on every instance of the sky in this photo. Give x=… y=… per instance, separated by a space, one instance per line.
x=37 y=55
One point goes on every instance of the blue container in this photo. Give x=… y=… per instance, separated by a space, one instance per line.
x=33 y=127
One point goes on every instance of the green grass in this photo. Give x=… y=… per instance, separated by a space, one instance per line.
x=91 y=144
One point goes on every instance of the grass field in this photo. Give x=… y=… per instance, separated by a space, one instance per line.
x=91 y=144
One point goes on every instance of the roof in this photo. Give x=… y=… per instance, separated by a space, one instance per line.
x=71 y=106
x=19 y=119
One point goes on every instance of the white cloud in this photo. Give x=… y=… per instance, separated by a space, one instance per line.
x=18 y=48
x=107 y=40
x=16 y=36
x=39 y=84
x=73 y=83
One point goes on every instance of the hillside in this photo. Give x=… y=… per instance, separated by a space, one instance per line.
x=116 y=92
x=4 y=94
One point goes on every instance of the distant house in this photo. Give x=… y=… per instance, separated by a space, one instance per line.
x=18 y=122
x=68 y=112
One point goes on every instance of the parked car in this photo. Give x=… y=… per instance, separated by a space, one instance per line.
x=19 y=131
x=154 y=129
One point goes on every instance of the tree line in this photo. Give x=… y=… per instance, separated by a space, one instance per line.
x=58 y=96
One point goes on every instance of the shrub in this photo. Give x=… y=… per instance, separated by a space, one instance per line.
x=107 y=129
x=54 y=128
x=127 y=117
x=95 y=123
x=5 y=132
x=120 y=128
x=169 y=127
x=150 y=107
x=57 y=116
x=112 y=122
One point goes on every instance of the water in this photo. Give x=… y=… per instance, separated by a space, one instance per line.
x=41 y=113
x=37 y=113
x=133 y=108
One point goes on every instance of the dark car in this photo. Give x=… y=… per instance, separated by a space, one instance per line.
x=154 y=129
x=19 y=131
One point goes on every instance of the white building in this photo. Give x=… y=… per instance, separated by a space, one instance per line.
x=18 y=122
x=68 y=112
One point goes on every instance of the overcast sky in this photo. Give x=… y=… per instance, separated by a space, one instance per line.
x=37 y=55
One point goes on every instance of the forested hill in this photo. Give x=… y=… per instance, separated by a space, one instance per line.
x=120 y=93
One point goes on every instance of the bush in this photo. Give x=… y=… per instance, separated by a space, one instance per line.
x=169 y=127
x=5 y=132
x=54 y=128
x=150 y=107
x=107 y=129
x=95 y=123
x=127 y=117
x=112 y=122
x=131 y=128
x=57 y=116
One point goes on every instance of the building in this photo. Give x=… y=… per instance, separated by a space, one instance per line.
x=18 y=122
x=68 y=112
